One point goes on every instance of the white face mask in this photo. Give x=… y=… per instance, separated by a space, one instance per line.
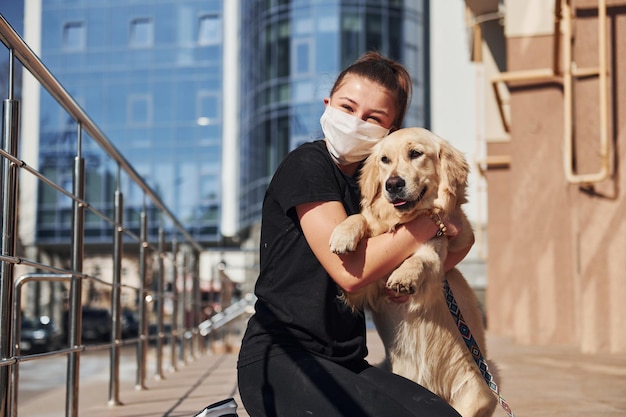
x=348 y=138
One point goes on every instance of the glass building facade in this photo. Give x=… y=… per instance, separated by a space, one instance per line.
x=292 y=51
x=150 y=74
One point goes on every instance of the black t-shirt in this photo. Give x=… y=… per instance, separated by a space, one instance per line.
x=298 y=306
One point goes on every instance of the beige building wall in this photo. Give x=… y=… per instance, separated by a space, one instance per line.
x=557 y=248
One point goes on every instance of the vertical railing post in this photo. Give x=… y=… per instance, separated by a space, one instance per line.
x=72 y=312
x=196 y=305
x=160 y=298
x=142 y=346
x=183 y=307
x=76 y=286
x=8 y=200
x=176 y=328
x=116 y=313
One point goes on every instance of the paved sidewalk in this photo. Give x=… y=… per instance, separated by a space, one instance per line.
x=559 y=381
x=535 y=381
x=187 y=391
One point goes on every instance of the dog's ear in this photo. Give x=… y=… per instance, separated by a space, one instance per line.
x=452 y=178
x=369 y=181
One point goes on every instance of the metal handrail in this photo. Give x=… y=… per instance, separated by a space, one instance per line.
x=229 y=314
x=35 y=66
x=10 y=288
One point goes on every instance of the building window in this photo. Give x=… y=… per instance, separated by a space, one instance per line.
x=209 y=184
x=301 y=56
x=209 y=30
x=207 y=108
x=141 y=33
x=139 y=110
x=74 y=36
x=351 y=37
x=67 y=183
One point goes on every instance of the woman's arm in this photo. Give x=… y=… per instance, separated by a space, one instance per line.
x=461 y=233
x=374 y=257
x=454 y=258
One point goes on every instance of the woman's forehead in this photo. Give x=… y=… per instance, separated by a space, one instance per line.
x=362 y=90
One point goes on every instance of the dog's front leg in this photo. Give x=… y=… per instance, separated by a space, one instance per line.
x=424 y=266
x=348 y=234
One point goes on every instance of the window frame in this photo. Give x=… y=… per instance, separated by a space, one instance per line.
x=81 y=43
x=133 y=39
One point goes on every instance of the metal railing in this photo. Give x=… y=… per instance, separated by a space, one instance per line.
x=178 y=251
x=566 y=73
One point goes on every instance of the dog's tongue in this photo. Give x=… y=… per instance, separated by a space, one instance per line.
x=398 y=203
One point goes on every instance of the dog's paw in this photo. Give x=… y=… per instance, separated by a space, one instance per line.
x=348 y=234
x=402 y=281
x=343 y=240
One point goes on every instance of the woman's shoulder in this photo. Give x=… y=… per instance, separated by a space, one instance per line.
x=311 y=155
x=310 y=163
x=307 y=149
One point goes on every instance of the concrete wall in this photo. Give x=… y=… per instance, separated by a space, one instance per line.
x=557 y=250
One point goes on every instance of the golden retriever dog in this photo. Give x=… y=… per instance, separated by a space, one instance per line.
x=409 y=173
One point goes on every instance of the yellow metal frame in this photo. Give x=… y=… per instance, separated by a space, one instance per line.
x=566 y=76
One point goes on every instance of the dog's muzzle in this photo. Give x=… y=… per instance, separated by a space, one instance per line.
x=395 y=188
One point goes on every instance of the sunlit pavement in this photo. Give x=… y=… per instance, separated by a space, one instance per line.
x=535 y=381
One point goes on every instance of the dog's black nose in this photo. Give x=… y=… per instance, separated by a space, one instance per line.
x=395 y=184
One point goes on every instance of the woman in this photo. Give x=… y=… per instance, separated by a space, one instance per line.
x=304 y=350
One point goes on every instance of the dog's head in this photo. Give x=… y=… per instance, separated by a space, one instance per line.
x=413 y=170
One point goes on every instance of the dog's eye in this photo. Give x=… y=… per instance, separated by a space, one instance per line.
x=414 y=154
x=384 y=159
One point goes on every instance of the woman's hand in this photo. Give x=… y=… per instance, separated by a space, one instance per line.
x=454 y=226
x=458 y=225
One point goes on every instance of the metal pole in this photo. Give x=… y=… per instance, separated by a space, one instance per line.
x=196 y=305
x=183 y=306
x=176 y=328
x=17 y=324
x=8 y=199
x=76 y=286
x=142 y=346
x=116 y=313
x=159 y=300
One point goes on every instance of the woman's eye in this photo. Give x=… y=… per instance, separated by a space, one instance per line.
x=414 y=153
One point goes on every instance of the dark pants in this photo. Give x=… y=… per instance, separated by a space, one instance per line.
x=301 y=384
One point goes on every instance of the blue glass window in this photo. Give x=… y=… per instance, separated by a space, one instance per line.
x=141 y=32
x=302 y=56
x=209 y=30
x=208 y=108
x=139 y=109
x=74 y=36
x=209 y=184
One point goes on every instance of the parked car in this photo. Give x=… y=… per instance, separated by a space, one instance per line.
x=130 y=324
x=96 y=324
x=40 y=335
x=153 y=333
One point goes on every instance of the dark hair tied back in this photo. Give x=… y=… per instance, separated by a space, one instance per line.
x=386 y=72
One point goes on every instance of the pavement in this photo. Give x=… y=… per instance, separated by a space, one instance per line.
x=535 y=381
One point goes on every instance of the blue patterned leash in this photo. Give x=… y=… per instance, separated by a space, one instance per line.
x=473 y=347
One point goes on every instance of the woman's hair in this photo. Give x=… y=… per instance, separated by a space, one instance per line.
x=386 y=72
